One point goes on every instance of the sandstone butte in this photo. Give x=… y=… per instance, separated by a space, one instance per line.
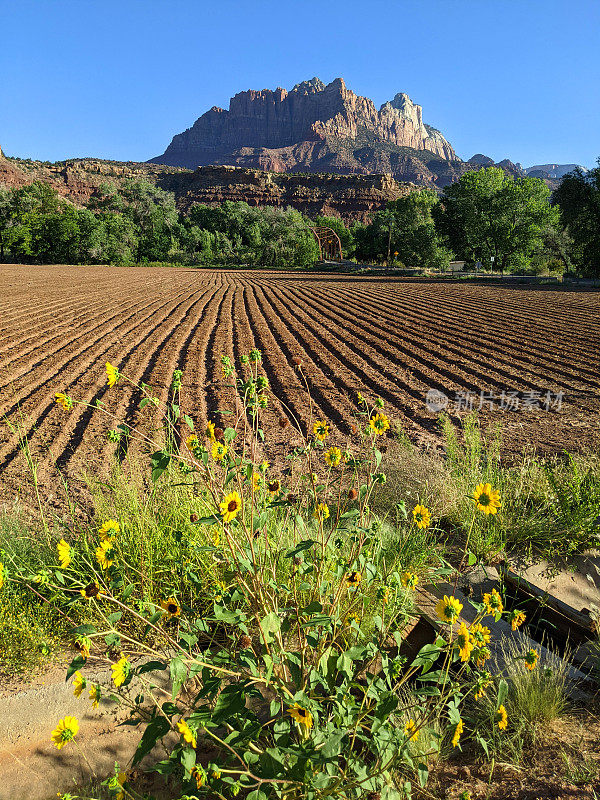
x=318 y=128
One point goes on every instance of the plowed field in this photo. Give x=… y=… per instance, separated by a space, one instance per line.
x=390 y=337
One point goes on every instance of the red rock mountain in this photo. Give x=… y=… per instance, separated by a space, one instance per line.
x=317 y=128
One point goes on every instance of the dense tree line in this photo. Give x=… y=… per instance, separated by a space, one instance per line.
x=486 y=216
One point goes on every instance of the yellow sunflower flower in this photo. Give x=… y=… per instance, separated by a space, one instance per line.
x=353 y=579
x=333 y=456
x=65 y=731
x=95 y=695
x=301 y=716
x=493 y=603
x=379 y=424
x=120 y=671
x=501 y=718
x=187 y=733
x=110 y=528
x=516 y=619
x=209 y=431
x=457 y=732
x=483 y=681
x=274 y=486
x=83 y=646
x=79 y=683
x=192 y=443
x=121 y=779
x=321 y=430
x=218 y=451
x=421 y=516
x=480 y=635
x=105 y=554
x=1 y=574
x=481 y=655
x=411 y=730
x=63 y=400
x=531 y=659
x=64 y=553
x=171 y=607
x=230 y=506
x=448 y=608
x=486 y=499
x=112 y=374
x=464 y=643
x=409 y=580
x=321 y=512
x=257 y=481
x=91 y=590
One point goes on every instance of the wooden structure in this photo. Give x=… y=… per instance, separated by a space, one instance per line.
x=330 y=247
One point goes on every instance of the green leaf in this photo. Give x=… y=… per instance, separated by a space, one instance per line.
x=188 y=761
x=269 y=625
x=155 y=730
x=159 y=462
x=300 y=547
x=188 y=421
x=312 y=608
x=423 y=774
x=212 y=520
x=502 y=691
x=229 y=434
x=231 y=701
x=77 y=663
x=178 y=675
x=151 y=666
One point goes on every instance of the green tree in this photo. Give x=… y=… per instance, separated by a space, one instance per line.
x=488 y=214
x=404 y=231
x=578 y=198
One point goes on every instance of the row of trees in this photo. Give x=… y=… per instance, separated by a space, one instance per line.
x=486 y=214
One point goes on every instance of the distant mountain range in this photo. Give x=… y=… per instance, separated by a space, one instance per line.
x=328 y=128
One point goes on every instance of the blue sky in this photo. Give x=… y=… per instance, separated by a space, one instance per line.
x=508 y=78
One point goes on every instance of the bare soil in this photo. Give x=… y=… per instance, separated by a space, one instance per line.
x=389 y=337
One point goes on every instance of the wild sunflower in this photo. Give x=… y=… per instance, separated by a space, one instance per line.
x=257 y=481
x=112 y=374
x=516 y=619
x=483 y=681
x=1 y=574
x=192 y=443
x=531 y=659
x=120 y=671
x=321 y=512
x=91 y=590
x=481 y=655
x=230 y=506
x=171 y=607
x=65 y=731
x=353 y=579
x=379 y=424
x=64 y=401
x=333 y=456
x=493 y=603
x=421 y=516
x=448 y=608
x=218 y=451
x=274 y=486
x=105 y=554
x=457 y=732
x=486 y=499
x=188 y=734
x=64 y=553
x=209 y=431
x=411 y=730
x=79 y=683
x=95 y=695
x=301 y=716
x=321 y=431
x=199 y=775
x=110 y=528
x=501 y=718
x=464 y=643
x=83 y=645
x=409 y=580
x=121 y=780
x=480 y=635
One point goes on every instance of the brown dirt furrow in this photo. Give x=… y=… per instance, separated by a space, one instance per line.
x=497 y=343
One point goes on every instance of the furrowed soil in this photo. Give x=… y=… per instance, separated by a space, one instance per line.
x=389 y=337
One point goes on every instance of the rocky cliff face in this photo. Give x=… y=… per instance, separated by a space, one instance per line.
x=315 y=128
x=351 y=197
